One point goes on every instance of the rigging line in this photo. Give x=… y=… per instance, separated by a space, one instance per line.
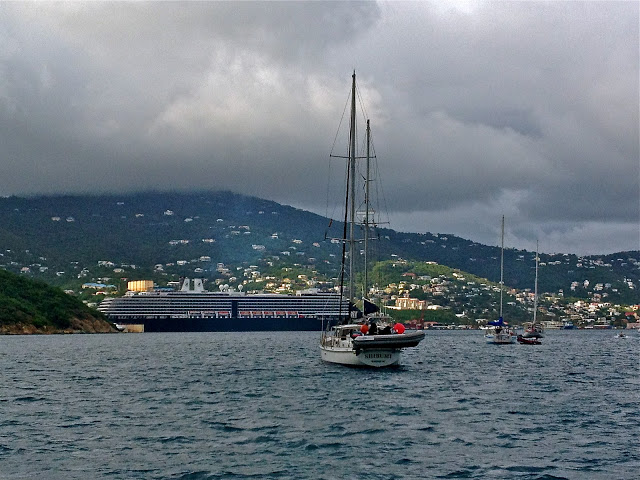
x=339 y=129
x=331 y=215
x=344 y=248
x=331 y=155
x=363 y=108
x=380 y=197
x=326 y=210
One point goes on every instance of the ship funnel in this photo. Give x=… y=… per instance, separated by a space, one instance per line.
x=198 y=285
x=186 y=285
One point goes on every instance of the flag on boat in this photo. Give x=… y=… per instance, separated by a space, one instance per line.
x=370 y=307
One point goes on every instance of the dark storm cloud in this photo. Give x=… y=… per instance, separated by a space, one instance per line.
x=478 y=109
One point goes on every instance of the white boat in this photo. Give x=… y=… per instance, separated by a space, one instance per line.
x=372 y=339
x=347 y=345
x=534 y=329
x=500 y=336
x=499 y=332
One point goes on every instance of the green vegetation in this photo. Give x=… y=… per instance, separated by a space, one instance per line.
x=69 y=240
x=394 y=271
x=454 y=297
x=30 y=302
x=445 y=317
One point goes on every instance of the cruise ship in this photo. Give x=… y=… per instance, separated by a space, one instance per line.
x=194 y=309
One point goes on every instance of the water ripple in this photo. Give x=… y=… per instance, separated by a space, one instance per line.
x=262 y=405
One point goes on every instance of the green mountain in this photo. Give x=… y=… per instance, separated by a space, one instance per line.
x=70 y=240
x=31 y=306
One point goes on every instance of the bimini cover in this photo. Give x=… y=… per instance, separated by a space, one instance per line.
x=498 y=323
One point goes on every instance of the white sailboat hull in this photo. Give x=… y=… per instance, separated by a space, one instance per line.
x=500 y=338
x=364 y=358
x=366 y=350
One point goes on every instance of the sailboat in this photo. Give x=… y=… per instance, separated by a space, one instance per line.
x=534 y=330
x=500 y=333
x=369 y=339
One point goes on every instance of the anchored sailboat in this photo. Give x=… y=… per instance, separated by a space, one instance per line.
x=500 y=334
x=534 y=329
x=372 y=339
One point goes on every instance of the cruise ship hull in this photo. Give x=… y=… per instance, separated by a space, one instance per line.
x=225 y=325
x=188 y=311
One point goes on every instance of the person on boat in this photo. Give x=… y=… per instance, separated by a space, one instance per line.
x=386 y=330
x=373 y=329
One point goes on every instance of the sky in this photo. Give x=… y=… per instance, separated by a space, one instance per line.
x=478 y=109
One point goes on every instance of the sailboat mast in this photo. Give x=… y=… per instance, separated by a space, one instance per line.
x=535 y=291
x=501 y=264
x=352 y=187
x=366 y=211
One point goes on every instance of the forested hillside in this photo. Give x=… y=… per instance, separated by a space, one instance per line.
x=69 y=240
x=29 y=306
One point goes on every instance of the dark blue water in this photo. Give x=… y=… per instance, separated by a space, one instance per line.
x=263 y=405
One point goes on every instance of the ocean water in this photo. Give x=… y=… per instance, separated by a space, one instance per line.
x=263 y=405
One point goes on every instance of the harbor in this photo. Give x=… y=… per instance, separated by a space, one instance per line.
x=259 y=404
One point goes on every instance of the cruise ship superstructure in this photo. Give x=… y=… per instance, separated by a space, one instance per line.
x=194 y=309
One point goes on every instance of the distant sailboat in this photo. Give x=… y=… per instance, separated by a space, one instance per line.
x=534 y=329
x=500 y=333
x=372 y=339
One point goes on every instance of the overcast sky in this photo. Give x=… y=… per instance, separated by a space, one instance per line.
x=479 y=109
